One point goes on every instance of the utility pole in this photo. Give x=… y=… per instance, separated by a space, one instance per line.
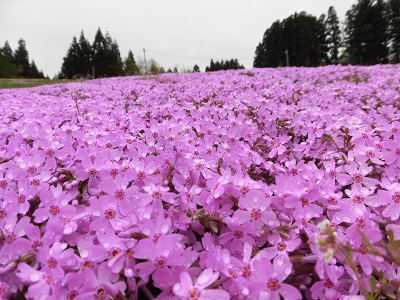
x=145 y=65
x=287 y=57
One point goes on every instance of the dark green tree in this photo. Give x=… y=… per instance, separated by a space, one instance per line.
x=322 y=41
x=301 y=36
x=34 y=72
x=84 y=54
x=107 y=60
x=8 y=67
x=232 y=64
x=21 y=58
x=271 y=51
x=196 y=69
x=366 y=33
x=71 y=61
x=130 y=67
x=393 y=17
x=333 y=36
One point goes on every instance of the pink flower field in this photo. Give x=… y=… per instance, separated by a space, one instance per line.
x=261 y=184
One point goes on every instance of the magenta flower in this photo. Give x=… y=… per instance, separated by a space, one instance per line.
x=56 y=260
x=165 y=251
x=269 y=277
x=186 y=289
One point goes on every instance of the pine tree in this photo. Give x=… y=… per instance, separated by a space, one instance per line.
x=99 y=49
x=394 y=30
x=323 y=58
x=8 y=67
x=71 y=60
x=106 y=56
x=130 y=67
x=21 y=58
x=301 y=36
x=366 y=36
x=196 y=69
x=34 y=72
x=84 y=56
x=333 y=36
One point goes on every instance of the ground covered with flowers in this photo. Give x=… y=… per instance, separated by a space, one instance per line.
x=255 y=184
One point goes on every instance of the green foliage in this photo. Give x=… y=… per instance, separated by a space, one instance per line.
x=102 y=59
x=366 y=33
x=130 y=67
x=8 y=67
x=34 y=72
x=393 y=16
x=333 y=36
x=232 y=64
x=17 y=64
x=301 y=35
x=107 y=60
x=21 y=58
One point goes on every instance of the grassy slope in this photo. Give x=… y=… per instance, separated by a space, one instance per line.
x=23 y=82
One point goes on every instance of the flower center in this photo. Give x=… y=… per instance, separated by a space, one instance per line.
x=360 y=222
x=54 y=210
x=21 y=198
x=114 y=172
x=92 y=172
x=52 y=262
x=244 y=190
x=31 y=169
x=396 y=197
x=329 y=283
x=246 y=270
x=281 y=246
x=238 y=234
x=357 y=177
x=160 y=262
x=304 y=201
x=332 y=201
x=3 y=184
x=120 y=194
x=255 y=214
x=194 y=293
x=358 y=199
x=50 y=152
x=273 y=284
x=110 y=214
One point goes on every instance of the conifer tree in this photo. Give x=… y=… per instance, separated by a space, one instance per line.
x=394 y=30
x=8 y=67
x=333 y=36
x=366 y=35
x=34 y=72
x=71 y=60
x=301 y=36
x=84 y=56
x=21 y=58
x=107 y=60
x=130 y=67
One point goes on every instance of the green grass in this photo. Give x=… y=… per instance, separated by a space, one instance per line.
x=8 y=83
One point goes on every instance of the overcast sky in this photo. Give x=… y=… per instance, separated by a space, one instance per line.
x=178 y=33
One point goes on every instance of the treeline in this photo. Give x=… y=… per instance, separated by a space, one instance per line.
x=101 y=58
x=370 y=35
x=232 y=64
x=16 y=63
